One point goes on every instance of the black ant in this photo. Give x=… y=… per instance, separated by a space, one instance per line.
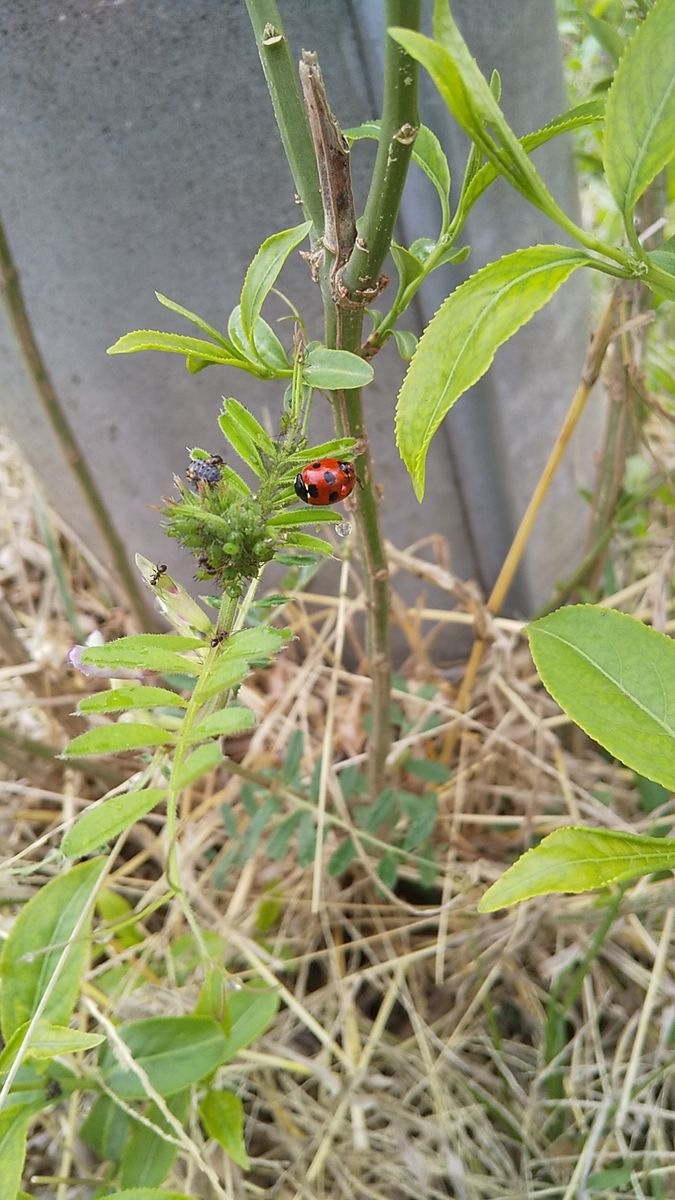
x=159 y=570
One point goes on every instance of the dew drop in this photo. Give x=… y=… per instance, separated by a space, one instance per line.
x=343 y=529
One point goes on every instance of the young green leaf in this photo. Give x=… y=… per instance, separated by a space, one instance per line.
x=209 y=330
x=159 y=652
x=266 y=348
x=222 y=1116
x=263 y=272
x=461 y=340
x=103 y=822
x=123 y=698
x=224 y=723
x=174 y=343
x=406 y=343
x=147 y=1157
x=640 y=115
x=249 y=425
x=175 y=1052
x=615 y=677
x=575 y=859
x=335 y=369
x=303 y=516
x=115 y=739
x=36 y=942
x=241 y=442
x=172 y=599
x=408 y=266
x=47 y=1041
x=305 y=541
x=337 y=448
x=200 y=762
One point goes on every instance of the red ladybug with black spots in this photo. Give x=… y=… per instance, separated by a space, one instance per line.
x=325 y=482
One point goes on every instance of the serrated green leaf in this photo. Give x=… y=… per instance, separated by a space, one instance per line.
x=209 y=330
x=241 y=442
x=575 y=859
x=640 y=115
x=222 y=1116
x=461 y=340
x=615 y=677
x=175 y=1052
x=47 y=1041
x=314 y=545
x=147 y=1157
x=249 y=425
x=115 y=739
x=36 y=942
x=173 y=343
x=335 y=369
x=200 y=762
x=264 y=270
x=224 y=723
x=103 y=822
x=157 y=652
x=341 y=448
x=251 y=1011
x=118 y=699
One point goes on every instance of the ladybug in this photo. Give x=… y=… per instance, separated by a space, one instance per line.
x=325 y=482
x=205 y=470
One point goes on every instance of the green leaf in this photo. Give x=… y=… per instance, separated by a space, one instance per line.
x=305 y=541
x=241 y=650
x=640 y=115
x=408 y=266
x=14 y=1122
x=342 y=448
x=309 y=515
x=266 y=348
x=222 y=1115
x=224 y=723
x=173 y=343
x=615 y=677
x=105 y=821
x=174 y=1052
x=147 y=1158
x=406 y=343
x=200 y=762
x=264 y=270
x=279 y=842
x=387 y=869
x=209 y=330
x=335 y=369
x=249 y=425
x=36 y=942
x=606 y=35
x=461 y=340
x=427 y=153
x=117 y=699
x=341 y=858
x=241 y=441
x=47 y=1041
x=251 y=1011
x=106 y=1129
x=577 y=117
x=575 y=859
x=114 y=739
x=146 y=652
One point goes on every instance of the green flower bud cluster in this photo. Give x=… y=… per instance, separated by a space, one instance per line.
x=224 y=529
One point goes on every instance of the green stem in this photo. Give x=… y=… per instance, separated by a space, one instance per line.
x=55 y=413
x=282 y=83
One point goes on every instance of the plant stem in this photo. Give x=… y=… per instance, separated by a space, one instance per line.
x=282 y=83
x=53 y=409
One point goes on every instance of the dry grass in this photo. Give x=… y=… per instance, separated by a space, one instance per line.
x=409 y=1056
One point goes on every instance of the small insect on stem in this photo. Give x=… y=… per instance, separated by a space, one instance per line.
x=160 y=569
x=218 y=639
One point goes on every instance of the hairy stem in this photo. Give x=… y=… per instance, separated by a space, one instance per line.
x=55 y=413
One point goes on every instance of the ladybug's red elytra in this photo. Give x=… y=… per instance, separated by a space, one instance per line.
x=325 y=482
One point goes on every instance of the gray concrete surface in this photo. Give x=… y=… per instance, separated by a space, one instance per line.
x=137 y=152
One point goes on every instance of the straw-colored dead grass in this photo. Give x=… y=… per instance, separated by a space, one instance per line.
x=408 y=1059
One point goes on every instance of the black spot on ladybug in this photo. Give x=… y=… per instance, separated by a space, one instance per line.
x=313 y=491
x=316 y=466
x=329 y=476
x=333 y=497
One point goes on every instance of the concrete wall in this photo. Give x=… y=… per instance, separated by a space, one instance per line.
x=138 y=152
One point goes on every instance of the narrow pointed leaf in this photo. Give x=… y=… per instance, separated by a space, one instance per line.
x=640 y=118
x=146 y=652
x=222 y=1115
x=14 y=1122
x=47 y=1041
x=461 y=340
x=342 y=448
x=200 y=762
x=105 y=821
x=575 y=859
x=172 y=599
x=175 y=1052
x=114 y=739
x=250 y=425
x=264 y=270
x=209 y=330
x=305 y=541
x=606 y=34
x=241 y=442
x=309 y=515
x=615 y=677
x=118 y=699
x=251 y=1011
x=36 y=942
x=224 y=723
x=173 y=343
